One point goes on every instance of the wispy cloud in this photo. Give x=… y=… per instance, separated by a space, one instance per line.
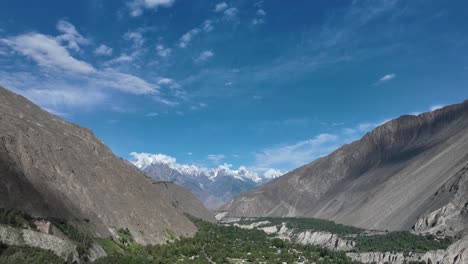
x=136 y=7
x=204 y=56
x=163 y=51
x=216 y=158
x=231 y=13
x=386 y=78
x=220 y=7
x=47 y=52
x=297 y=154
x=207 y=25
x=136 y=38
x=125 y=82
x=70 y=36
x=103 y=50
x=187 y=37
x=290 y=156
x=152 y=114
x=123 y=58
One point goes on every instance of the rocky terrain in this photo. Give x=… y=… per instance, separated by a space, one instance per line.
x=409 y=173
x=52 y=168
x=457 y=253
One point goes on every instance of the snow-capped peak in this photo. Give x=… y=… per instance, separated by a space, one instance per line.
x=144 y=160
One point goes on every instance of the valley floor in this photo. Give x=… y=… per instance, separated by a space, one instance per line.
x=254 y=240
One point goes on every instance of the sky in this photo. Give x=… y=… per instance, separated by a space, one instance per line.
x=262 y=84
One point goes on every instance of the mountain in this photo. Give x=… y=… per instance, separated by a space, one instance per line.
x=52 y=168
x=409 y=173
x=213 y=186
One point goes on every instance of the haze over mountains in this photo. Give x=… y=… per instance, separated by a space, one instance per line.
x=213 y=186
x=409 y=173
x=52 y=168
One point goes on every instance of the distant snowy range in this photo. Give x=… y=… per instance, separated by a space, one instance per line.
x=213 y=186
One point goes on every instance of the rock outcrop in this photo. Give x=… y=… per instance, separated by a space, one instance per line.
x=52 y=168
x=25 y=237
x=409 y=172
x=455 y=254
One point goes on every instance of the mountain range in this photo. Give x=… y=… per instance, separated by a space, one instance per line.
x=410 y=173
x=53 y=168
x=213 y=186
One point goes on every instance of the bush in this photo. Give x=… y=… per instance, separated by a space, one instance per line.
x=28 y=255
x=402 y=241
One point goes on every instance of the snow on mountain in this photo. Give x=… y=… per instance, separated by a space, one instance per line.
x=212 y=185
x=144 y=160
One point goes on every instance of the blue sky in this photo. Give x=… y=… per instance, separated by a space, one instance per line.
x=265 y=84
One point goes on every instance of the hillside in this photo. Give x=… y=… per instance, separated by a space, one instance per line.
x=410 y=172
x=52 y=168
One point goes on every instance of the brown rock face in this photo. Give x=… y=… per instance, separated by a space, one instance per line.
x=396 y=175
x=49 y=167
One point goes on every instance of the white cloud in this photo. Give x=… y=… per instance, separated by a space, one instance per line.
x=300 y=153
x=187 y=37
x=387 y=78
x=137 y=6
x=84 y=86
x=163 y=51
x=216 y=158
x=136 y=38
x=257 y=21
x=231 y=13
x=220 y=7
x=56 y=95
x=436 y=107
x=261 y=12
x=70 y=35
x=103 y=50
x=165 y=101
x=260 y=19
x=204 y=56
x=208 y=25
x=142 y=160
x=152 y=114
x=165 y=81
x=124 y=82
x=47 y=52
x=121 y=59
x=272 y=173
x=63 y=96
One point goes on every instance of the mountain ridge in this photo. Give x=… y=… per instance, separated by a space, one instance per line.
x=53 y=168
x=347 y=186
x=213 y=186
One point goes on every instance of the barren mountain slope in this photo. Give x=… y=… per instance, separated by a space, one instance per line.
x=49 y=167
x=398 y=175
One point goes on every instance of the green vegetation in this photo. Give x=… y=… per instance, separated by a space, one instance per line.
x=13 y=217
x=225 y=244
x=82 y=240
x=27 y=255
x=302 y=224
x=110 y=246
x=402 y=242
x=220 y=244
x=125 y=237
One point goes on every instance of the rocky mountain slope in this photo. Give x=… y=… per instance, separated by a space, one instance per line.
x=52 y=168
x=213 y=186
x=410 y=172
